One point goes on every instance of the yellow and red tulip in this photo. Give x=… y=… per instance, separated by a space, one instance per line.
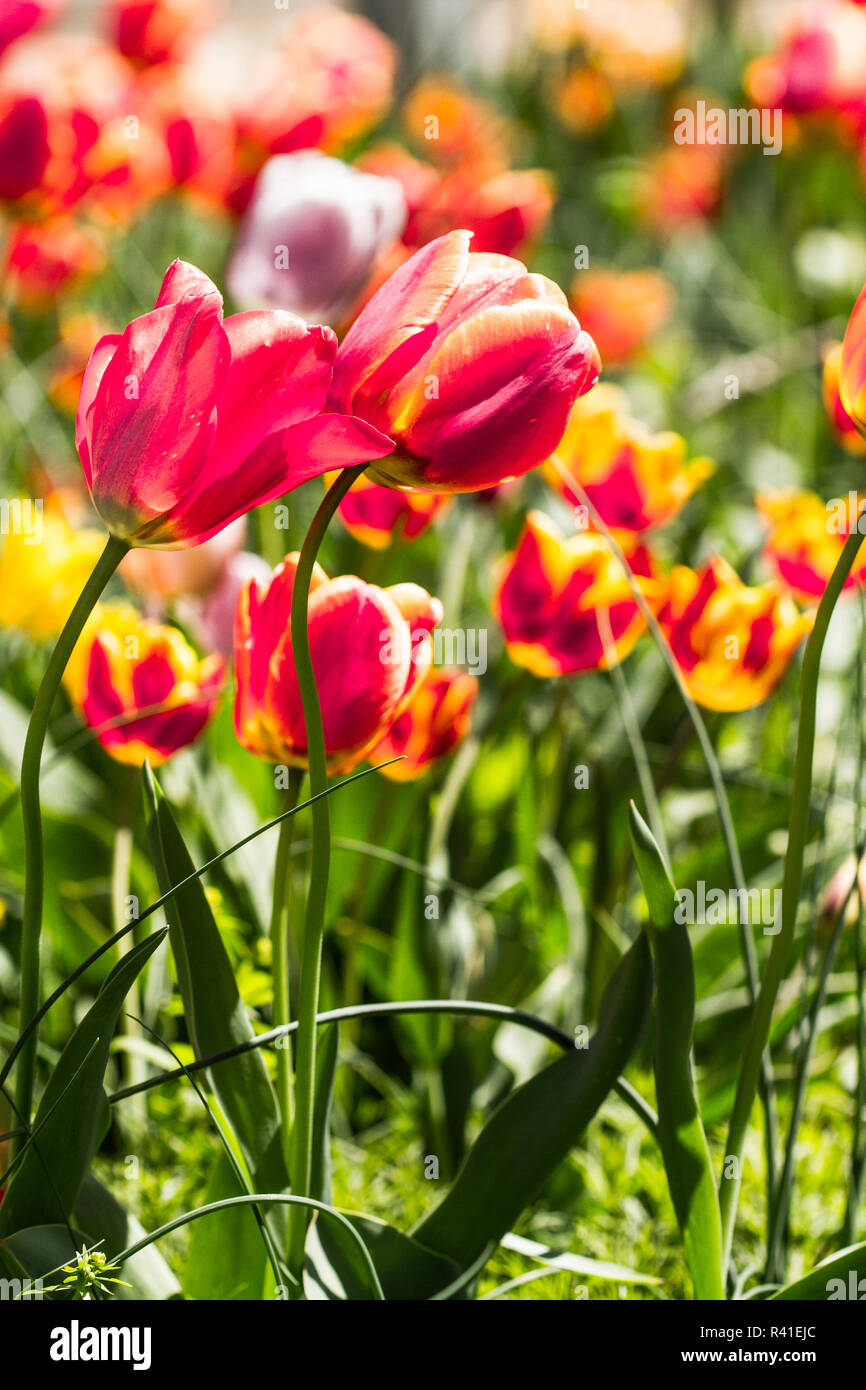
x=470 y=364
x=733 y=643
x=843 y=427
x=431 y=726
x=803 y=546
x=635 y=479
x=186 y=422
x=370 y=650
x=377 y=516
x=141 y=685
x=565 y=605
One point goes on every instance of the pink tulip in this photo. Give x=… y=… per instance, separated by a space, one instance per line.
x=312 y=234
x=469 y=363
x=186 y=422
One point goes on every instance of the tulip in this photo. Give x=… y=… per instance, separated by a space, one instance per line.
x=454 y=126
x=170 y=574
x=123 y=667
x=312 y=234
x=806 y=539
x=733 y=643
x=44 y=564
x=469 y=363
x=18 y=17
x=376 y=516
x=640 y=43
x=24 y=148
x=186 y=422
x=621 y=309
x=845 y=892
x=819 y=66
x=633 y=478
x=680 y=185
x=155 y=31
x=844 y=428
x=852 y=366
x=370 y=650
x=432 y=725
x=565 y=605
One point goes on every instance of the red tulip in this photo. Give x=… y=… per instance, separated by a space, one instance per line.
x=186 y=422
x=370 y=650
x=24 y=149
x=469 y=363
x=18 y=17
x=155 y=31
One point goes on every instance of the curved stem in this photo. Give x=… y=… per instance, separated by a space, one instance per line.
x=777 y=962
x=320 y=858
x=34 y=867
x=280 y=955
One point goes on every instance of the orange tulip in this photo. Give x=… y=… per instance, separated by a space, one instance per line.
x=431 y=726
x=807 y=537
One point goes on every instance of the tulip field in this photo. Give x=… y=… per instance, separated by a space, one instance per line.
x=432 y=605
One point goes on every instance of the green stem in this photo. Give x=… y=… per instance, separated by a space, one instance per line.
x=34 y=867
x=320 y=858
x=280 y=956
x=777 y=962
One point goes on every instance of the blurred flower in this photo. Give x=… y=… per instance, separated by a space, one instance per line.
x=852 y=366
x=44 y=565
x=18 y=17
x=168 y=574
x=43 y=260
x=733 y=643
x=124 y=666
x=844 y=428
x=77 y=335
x=806 y=539
x=195 y=129
x=456 y=127
x=634 y=478
x=469 y=363
x=635 y=43
x=621 y=309
x=434 y=722
x=186 y=422
x=312 y=234
x=844 y=893
x=583 y=100
x=818 y=68
x=370 y=650
x=679 y=186
x=328 y=86
x=377 y=516
x=506 y=209
x=155 y=31
x=24 y=148
x=565 y=605
x=213 y=614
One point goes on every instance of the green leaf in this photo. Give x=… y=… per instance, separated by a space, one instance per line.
x=530 y=1134
x=326 y=1067
x=73 y=1111
x=41 y=1251
x=227 y=1260
x=844 y=1271
x=681 y=1133
x=216 y=1016
x=334 y=1266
